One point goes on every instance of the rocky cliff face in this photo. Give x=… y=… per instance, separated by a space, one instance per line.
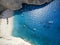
x=36 y=2
x=17 y=4
x=11 y=4
x=2 y=8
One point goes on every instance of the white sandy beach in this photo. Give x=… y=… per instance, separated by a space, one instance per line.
x=6 y=29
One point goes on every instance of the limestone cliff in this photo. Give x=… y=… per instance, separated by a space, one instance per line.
x=17 y=4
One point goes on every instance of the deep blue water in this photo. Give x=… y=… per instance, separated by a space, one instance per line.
x=39 y=25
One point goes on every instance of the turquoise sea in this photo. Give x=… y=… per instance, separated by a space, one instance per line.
x=39 y=25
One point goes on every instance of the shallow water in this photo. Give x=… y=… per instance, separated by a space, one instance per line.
x=39 y=25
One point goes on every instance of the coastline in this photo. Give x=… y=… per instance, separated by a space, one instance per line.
x=6 y=30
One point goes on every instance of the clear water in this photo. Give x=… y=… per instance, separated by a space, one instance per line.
x=39 y=25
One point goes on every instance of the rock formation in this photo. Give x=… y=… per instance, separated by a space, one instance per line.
x=17 y=4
